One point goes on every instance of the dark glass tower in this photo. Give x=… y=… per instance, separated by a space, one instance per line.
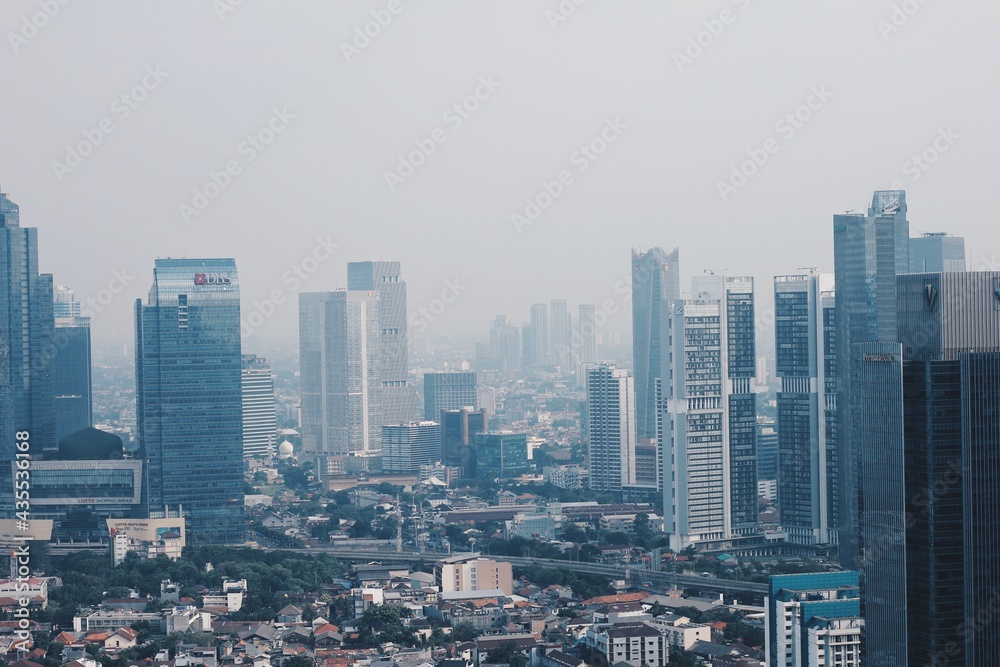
x=929 y=437
x=73 y=400
x=869 y=252
x=189 y=397
x=655 y=282
x=27 y=331
x=936 y=252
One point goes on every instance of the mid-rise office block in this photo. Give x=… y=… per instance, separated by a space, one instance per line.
x=458 y=434
x=384 y=278
x=407 y=447
x=260 y=420
x=189 y=410
x=869 y=252
x=448 y=391
x=929 y=437
x=611 y=438
x=656 y=282
x=813 y=620
x=936 y=252
x=501 y=455
x=806 y=362
x=709 y=421
x=341 y=377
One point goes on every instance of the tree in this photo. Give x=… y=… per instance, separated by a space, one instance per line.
x=642 y=531
x=298 y=661
x=464 y=632
x=507 y=653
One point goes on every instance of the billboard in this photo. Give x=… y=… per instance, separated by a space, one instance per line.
x=148 y=530
x=13 y=532
x=66 y=482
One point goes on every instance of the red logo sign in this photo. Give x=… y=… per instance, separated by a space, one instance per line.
x=200 y=279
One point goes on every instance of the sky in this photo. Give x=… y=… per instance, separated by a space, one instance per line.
x=506 y=152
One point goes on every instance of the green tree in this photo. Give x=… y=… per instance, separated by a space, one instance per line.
x=464 y=632
x=507 y=653
x=298 y=661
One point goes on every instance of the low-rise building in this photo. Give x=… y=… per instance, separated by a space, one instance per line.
x=634 y=643
x=473 y=572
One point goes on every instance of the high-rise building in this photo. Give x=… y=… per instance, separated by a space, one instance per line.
x=72 y=372
x=501 y=454
x=399 y=396
x=537 y=337
x=458 y=434
x=64 y=303
x=189 y=408
x=260 y=420
x=709 y=421
x=505 y=345
x=813 y=620
x=806 y=362
x=585 y=333
x=340 y=353
x=936 y=252
x=928 y=435
x=611 y=437
x=869 y=252
x=560 y=331
x=767 y=449
x=448 y=391
x=27 y=332
x=655 y=283
x=406 y=447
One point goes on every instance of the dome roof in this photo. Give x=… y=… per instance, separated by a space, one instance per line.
x=286 y=449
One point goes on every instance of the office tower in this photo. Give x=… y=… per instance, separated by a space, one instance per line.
x=813 y=620
x=448 y=391
x=340 y=353
x=27 y=331
x=869 y=251
x=189 y=397
x=72 y=367
x=458 y=432
x=708 y=432
x=560 y=331
x=505 y=345
x=585 y=333
x=486 y=399
x=399 y=396
x=260 y=420
x=936 y=252
x=501 y=454
x=767 y=449
x=611 y=434
x=537 y=337
x=928 y=436
x=806 y=361
x=655 y=283
x=646 y=466
x=406 y=447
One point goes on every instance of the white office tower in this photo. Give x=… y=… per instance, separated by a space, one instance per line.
x=708 y=412
x=611 y=428
x=260 y=421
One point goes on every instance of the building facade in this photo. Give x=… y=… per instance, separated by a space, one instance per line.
x=709 y=421
x=611 y=429
x=937 y=252
x=501 y=455
x=806 y=362
x=189 y=408
x=585 y=333
x=260 y=420
x=341 y=378
x=72 y=382
x=560 y=336
x=448 y=391
x=458 y=435
x=407 y=447
x=472 y=572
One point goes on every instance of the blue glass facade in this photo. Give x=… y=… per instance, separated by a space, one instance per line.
x=189 y=397
x=501 y=455
x=73 y=401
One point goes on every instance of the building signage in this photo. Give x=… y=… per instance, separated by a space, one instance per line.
x=211 y=279
x=881 y=358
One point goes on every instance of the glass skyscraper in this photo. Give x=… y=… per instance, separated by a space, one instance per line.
x=72 y=379
x=934 y=252
x=448 y=391
x=869 y=252
x=399 y=396
x=560 y=332
x=709 y=422
x=189 y=397
x=929 y=437
x=501 y=455
x=656 y=282
x=805 y=362
x=458 y=434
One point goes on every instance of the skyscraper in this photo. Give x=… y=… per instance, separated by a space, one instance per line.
x=655 y=283
x=458 y=434
x=448 y=391
x=537 y=337
x=585 y=334
x=189 y=397
x=72 y=368
x=501 y=454
x=806 y=361
x=928 y=435
x=934 y=252
x=399 y=396
x=560 y=329
x=505 y=345
x=341 y=377
x=406 y=447
x=869 y=252
x=260 y=421
x=611 y=437
x=27 y=331
x=709 y=421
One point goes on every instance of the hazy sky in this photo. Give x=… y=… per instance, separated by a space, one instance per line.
x=886 y=81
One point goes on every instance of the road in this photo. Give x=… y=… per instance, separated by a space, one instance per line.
x=667 y=579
